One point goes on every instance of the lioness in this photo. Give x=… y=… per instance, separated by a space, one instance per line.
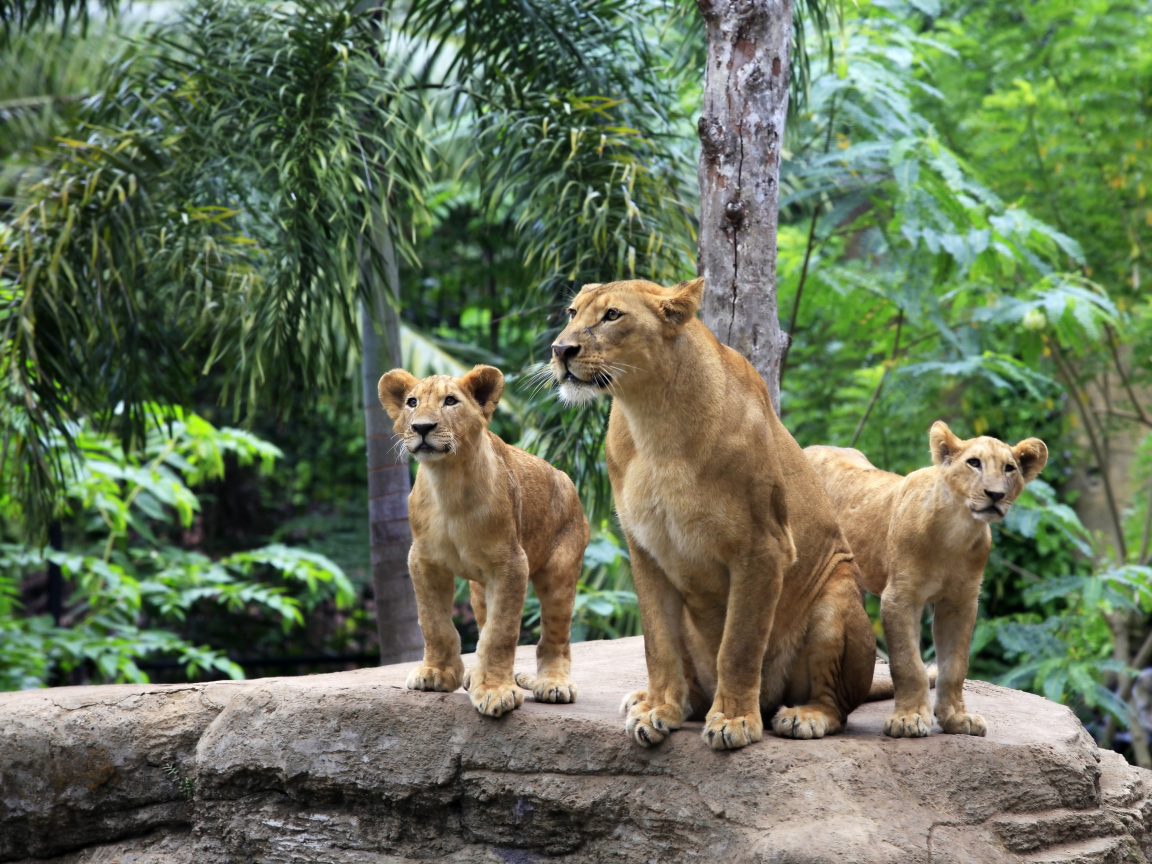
x=922 y=539
x=747 y=588
x=497 y=516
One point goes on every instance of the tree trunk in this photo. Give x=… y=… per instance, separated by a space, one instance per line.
x=741 y=130
x=391 y=535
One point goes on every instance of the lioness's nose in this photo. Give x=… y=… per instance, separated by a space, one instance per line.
x=995 y=496
x=564 y=352
x=424 y=428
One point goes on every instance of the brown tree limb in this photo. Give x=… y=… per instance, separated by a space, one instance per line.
x=883 y=378
x=1101 y=460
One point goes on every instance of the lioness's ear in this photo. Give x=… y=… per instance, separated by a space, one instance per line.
x=392 y=389
x=679 y=309
x=484 y=384
x=943 y=444
x=1032 y=454
x=591 y=286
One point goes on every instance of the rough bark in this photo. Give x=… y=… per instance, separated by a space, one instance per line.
x=391 y=535
x=741 y=130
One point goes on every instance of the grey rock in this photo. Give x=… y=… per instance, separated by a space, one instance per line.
x=350 y=768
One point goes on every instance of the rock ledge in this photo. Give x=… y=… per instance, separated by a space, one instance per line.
x=350 y=768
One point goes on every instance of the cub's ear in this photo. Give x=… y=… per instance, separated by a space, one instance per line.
x=943 y=444
x=681 y=307
x=392 y=389
x=484 y=384
x=1032 y=454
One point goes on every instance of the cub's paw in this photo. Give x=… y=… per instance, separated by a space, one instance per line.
x=912 y=725
x=431 y=678
x=801 y=722
x=731 y=733
x=962 y=723
x=648 y=726
x=547 y=688
x=494 y=700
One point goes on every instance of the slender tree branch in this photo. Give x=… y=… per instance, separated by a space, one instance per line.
x=883 y=378
x=1016 y=568
x=1122 y=415
x=1101 y=460
x=1137 y=407
x=807 y=253
x=799 y=291
x=1144 y=556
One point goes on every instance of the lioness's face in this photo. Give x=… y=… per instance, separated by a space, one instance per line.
x=437 y=416
x=615 y=333
x=985 y=473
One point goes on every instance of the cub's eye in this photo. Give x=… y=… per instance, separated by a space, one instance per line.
x=412 y=402
x=611 y=314
x=975 y=463
x=450 y=400
x=1009 y=468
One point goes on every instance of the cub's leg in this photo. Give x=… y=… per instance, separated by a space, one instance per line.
x=754 y=589
x=900 y=615
x=442 y=669
x=952 y=633
x=840 y=656
x=555 y=584
x=490 y=683
x=479 y=603
x=652 y=714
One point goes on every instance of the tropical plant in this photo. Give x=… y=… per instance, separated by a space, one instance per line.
x=132 y=587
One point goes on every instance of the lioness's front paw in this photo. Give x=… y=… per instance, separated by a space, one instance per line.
x=912 y=725
x=431 y=678
x=800 y=722
x=963 y=723
x=646 y=725
x=546 y=688
x=731 y=733
x=494 y=700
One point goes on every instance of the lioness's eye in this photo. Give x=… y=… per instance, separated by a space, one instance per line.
x=1009 y=468
x=571 y=313
x=975 y=463
x=412 y=402
x=611 y=314
x=449 y=400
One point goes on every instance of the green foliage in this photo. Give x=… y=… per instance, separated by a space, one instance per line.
x=131 y=587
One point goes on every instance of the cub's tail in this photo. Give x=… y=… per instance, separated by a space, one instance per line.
x=882 y=681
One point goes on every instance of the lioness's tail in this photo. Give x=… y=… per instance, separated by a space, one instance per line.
x=882 y=682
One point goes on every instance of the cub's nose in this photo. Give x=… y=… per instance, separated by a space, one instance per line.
x=424 y=428
x=564 y=352
x=995 y=496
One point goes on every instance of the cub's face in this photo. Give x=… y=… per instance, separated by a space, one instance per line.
x=985 y=473
x=616 y=333
x=437 y=416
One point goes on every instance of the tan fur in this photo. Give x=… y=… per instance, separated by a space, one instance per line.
x=747 y=588
x=497 y=516
x=923 y=539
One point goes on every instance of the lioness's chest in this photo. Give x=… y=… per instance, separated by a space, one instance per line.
x=667 y=511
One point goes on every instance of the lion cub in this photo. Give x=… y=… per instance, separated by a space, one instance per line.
x=922 y=539
x=497 y=516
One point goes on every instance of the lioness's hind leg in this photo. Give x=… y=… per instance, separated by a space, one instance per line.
x=555 y=584
x=839 y=655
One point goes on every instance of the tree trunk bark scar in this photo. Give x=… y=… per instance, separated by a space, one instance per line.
x=741 y=128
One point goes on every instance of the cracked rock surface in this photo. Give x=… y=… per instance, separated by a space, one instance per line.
x=351 y=768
